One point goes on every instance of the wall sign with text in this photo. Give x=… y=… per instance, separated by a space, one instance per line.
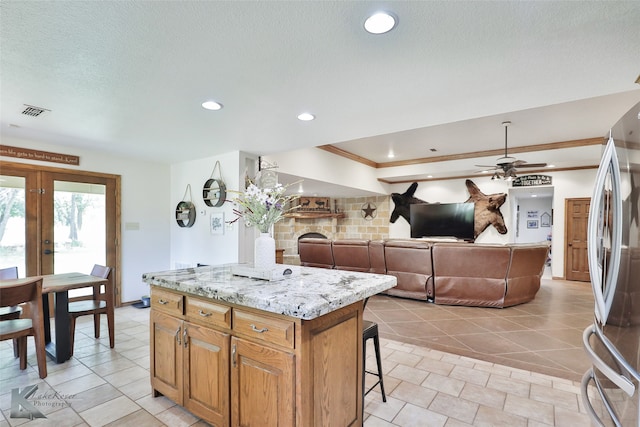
x=43 y=156
x=531 y=180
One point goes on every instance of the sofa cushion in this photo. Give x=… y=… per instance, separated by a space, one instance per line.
x=470 y=274
x=351 y=254
x=315 y=252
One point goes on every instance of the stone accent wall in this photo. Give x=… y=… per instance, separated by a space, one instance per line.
x=352 y=226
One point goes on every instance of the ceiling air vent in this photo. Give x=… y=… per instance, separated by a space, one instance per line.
x=32 y=111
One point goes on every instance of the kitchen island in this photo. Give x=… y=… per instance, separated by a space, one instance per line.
x=240 y=351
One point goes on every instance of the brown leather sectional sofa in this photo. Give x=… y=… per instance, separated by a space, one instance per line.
x=467 y=274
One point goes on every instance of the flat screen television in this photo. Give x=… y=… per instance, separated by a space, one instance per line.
x=442 y=220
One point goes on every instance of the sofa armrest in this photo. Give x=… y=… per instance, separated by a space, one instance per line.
x=410 y=262
x=525 y=270
x=376 y=257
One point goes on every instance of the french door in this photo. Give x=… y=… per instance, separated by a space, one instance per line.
x=57 y=221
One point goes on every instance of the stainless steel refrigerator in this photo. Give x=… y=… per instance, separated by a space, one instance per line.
x=610 y=389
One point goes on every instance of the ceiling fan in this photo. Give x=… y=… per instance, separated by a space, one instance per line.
x=507 y=166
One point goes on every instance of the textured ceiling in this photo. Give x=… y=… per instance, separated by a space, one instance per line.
x=129 y=77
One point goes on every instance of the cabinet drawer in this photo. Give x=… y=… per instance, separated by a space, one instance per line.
x=167 y=302
x=269 y=329
x=207 y=312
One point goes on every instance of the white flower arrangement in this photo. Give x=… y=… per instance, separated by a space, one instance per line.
x=263 y=207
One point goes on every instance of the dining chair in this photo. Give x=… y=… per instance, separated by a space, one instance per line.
x=102 y=303
x=25 y=291
x=13 y=312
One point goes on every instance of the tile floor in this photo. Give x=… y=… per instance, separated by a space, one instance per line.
x=443 y=366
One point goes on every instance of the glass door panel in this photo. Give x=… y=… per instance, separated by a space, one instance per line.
x=58 y=221
x=13 y=223
x=79 y=228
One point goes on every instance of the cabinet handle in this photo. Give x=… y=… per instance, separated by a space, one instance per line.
x=254 y=329
x=233 y=355
x=203 y=314
x=163 y=302
x=184 y=337
x=178 y=336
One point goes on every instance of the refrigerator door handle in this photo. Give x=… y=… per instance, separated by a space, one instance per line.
x=595 y=419
x=622 y=382
x=603 y=292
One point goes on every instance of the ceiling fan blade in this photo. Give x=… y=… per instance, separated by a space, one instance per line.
x=532 y=165
x=486 y=166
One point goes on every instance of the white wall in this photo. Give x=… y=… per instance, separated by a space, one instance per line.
x=196 y=244
x=144 y=195
x=451 y=191
x=317 y=164
x=532 y=209
x=566 y=184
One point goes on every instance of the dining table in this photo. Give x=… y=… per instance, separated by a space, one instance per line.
x=59 y=285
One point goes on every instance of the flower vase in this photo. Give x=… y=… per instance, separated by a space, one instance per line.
x=264 y=252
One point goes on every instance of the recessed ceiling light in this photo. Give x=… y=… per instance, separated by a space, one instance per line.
x=391 y=155
x=380 y=23
x=429 y=176
x=534 y=195
x=306 y=117
x=551 y=166
x=211 y=105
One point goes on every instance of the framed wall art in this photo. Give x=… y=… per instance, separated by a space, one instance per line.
x=314 y=204
x=217 y=223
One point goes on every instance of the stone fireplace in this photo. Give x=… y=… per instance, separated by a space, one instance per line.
x=350 y=224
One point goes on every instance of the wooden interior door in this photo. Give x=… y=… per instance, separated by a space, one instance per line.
x=576 y=222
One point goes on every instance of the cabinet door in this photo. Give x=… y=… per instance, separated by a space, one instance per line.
x=262 y=386
x=206 y=373
x=166 y=356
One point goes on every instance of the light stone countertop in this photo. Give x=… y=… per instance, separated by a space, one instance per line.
x=307 y=294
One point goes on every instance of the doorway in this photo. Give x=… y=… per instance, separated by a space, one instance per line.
x=576 y=222
x=57 y=221
x=532 y=220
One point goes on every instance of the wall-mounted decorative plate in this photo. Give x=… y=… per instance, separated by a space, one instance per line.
x=369 y=211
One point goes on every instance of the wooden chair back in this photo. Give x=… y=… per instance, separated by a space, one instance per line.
x=102 y=302
x=25 y=291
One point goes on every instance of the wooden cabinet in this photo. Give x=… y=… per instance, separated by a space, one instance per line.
x=237 y=366
x=262 y=387
x=166 y=351
x=190 y=365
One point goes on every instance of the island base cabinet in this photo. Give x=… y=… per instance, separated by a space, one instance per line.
x=262 y=386
x=190 y=365
x=206 y=373
x=243 y=367
x=166 y=359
